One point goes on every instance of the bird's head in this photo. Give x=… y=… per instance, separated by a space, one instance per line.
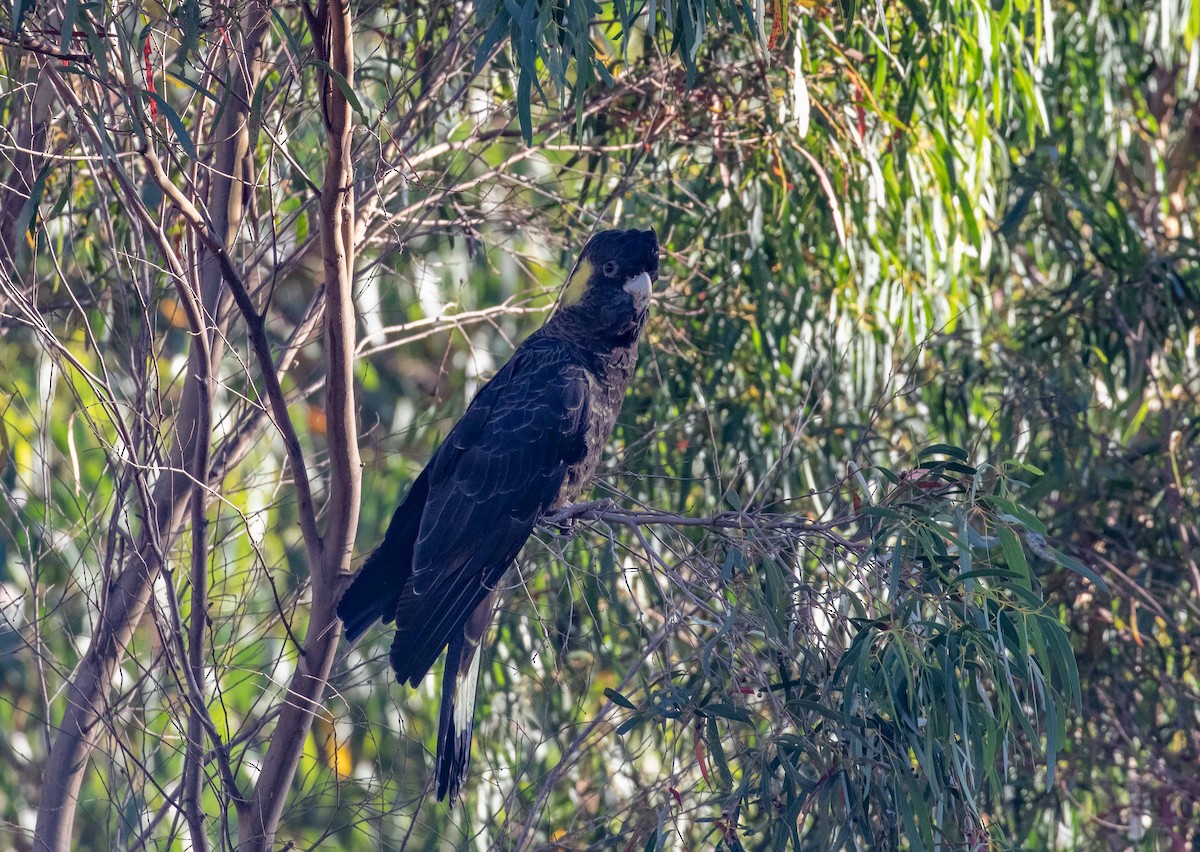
x=607 y=295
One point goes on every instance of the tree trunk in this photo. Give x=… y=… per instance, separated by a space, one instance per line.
x=87 y=695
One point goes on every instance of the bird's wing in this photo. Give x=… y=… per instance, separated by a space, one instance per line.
x=498 y=469
x=378 y=586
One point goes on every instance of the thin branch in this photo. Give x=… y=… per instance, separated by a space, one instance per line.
x=24 y=42
x=573 y=752
x=606 y=511
x=164 y=511
x=262 y=351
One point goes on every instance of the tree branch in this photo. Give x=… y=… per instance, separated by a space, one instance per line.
x=262 y=352
x=332 y=28
x=605 y=511
x=24 y=42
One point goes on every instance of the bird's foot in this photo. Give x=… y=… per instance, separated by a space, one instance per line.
x=604 y=504
x=567 y=528
x=563 y=522
x=566 y=519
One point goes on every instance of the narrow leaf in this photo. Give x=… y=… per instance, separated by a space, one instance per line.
x=181 y=132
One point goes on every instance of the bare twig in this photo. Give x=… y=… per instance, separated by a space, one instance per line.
x=32 y=45
x=262 y=351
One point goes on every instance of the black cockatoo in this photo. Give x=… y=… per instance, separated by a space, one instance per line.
x=528 y=444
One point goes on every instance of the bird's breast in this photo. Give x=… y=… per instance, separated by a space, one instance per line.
x=606 y=393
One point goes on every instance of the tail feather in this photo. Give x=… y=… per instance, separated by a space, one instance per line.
x=457 y=719
x=456 y=726
x=375 y=592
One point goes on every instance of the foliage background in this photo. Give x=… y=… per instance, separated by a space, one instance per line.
x=887 y=227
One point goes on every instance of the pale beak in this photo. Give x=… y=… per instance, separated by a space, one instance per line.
x=639 y=287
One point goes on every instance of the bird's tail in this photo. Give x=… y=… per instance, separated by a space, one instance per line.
x=459 y=680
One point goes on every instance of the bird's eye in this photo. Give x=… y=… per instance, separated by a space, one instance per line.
x=610 y=269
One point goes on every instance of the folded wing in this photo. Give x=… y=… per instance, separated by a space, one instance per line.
x=499 y=468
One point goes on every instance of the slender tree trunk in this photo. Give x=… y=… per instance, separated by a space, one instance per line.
x=17 y=185
x=87 y=695
x=327 y=574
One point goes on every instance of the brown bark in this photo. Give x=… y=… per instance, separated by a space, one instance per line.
x=18 y=182
x=87 y=695
x=306 y=690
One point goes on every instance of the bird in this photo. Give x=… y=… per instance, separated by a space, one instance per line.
x=527 y=445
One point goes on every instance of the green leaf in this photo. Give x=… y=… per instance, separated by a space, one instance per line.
x=1014 y=555
x=988 y=574
x=944 y=450
x=19 y=8
x=618 y=699
x=1073 y=564
x=954 y=467
x=254 y=120
x=1025 y=466
x=67 y=27
x=717 y=750
x=1019 y=514
x=343 y=85
x=630 y=724
x=1063 y=656
x=966 y=208
x=193 y=85
x=964 y=549
x=524 y=105
x=64 y=195
x=882 y=512
x=25 y=219
x=298 y=54
x=727 y=711
x=181 y=133
x=491 y=38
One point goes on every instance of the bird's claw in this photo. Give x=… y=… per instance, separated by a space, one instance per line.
x=565 y=521
x=566 y=528
x=604 y=504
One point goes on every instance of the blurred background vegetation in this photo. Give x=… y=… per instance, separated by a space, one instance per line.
x=903 y=548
